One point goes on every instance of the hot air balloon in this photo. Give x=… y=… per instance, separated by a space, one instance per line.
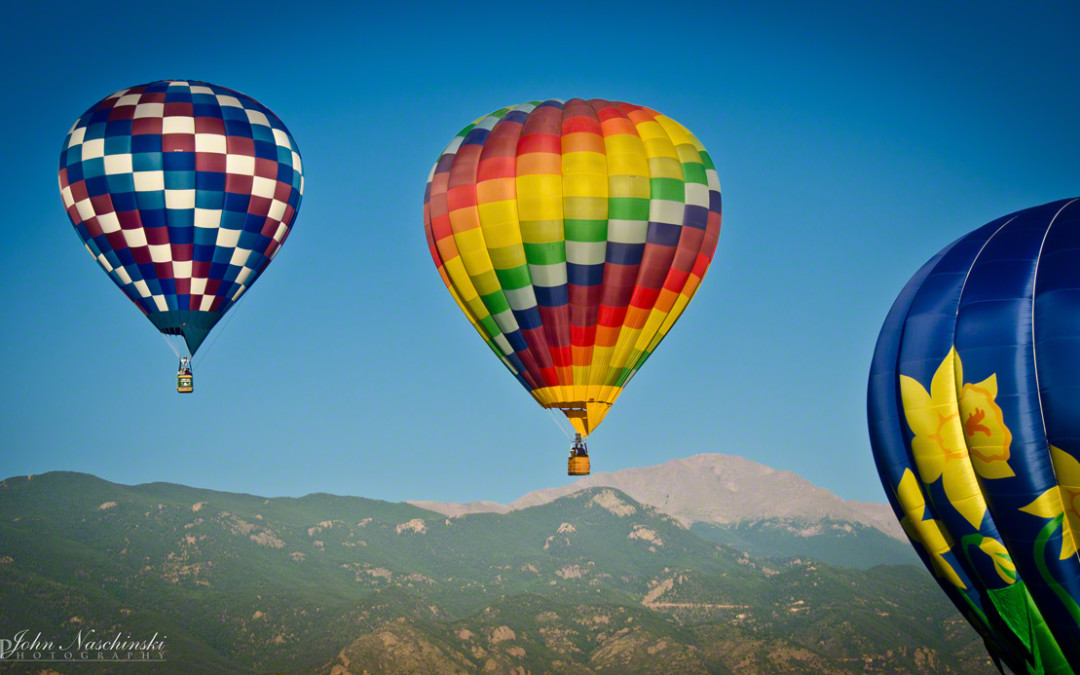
x=974 y=415
x=573 y=235
x=183 y=192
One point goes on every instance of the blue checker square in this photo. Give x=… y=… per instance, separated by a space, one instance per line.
x=266 y=150
x=182 y=231
x=238 y=128
x=93 y=168
x=204 y=244
x=217 y=269
x=237 y=203
x=179 y=161
x=180 y=218
x=179 y=180
x=146 y=161
x=262 y=133
x=221 y=256
x=210 y=180
x=247 y=240
x=118 y=144
x=209 y=198
x=97 y=185
x=123 y=200
x=117 y=129
x=146 y=143
x=151 y=216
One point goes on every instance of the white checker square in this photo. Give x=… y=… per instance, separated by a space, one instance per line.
x=178 y=124
x=506 y=321
x=621 y=231
x=208 y=218
x=257 y=117
x=697 y=194
x=240 y=257
x=666 y=211
x=77 y=136
x=104 y=262
x=239 y=292
x=548 y=275
x=180 y=199
x=128 y=99
x=93 y=149
x=85 y=209
x=160 y=253
x=520 y=298
x=149 y=181
x=280 y=234
x=296 y=163
x=263 y=187
x=282 y=139
x=198 y=286
x=206 y=303
x=227 y=238
x=65 y=194
x=144 y=291
x=240 y=164
x=182 y=269
x=210 y=143
x=201 y=89
x=109 y=222
x=149 y=110
x=159 y=301
x=230 y=101
x=135 y=238
x=244 y=274
x=277 y=210
x=586 y=252
x=124 y=276
x=503 y=344
x=115 y=164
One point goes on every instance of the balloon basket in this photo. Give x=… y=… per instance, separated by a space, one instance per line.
x=185 y=384
x=577 y=466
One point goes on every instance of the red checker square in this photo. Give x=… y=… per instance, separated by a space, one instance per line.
x=78 y=190
x=116 y=240
x=63 y=178
x=271 y=247
x=183 y=287
x=178 y=143
x=209 y=125
x=129 y=220
x=163 y=270
x=269 y=228
x=259 y=206
x=210 y=161
x=157 y=235
x=146 y=125
x=290 y=213
x=200 y=269
x=282 y=191
x=124 y=112
x=238 y=145
x=102 y=204
x=212 y=286
x=179 y=109
x=266 y=168
x=152 y=97
x=141 y=254
x=461 y=197
x=216 y=304
x=92 y=227
x=238 y=184
x=182 y=252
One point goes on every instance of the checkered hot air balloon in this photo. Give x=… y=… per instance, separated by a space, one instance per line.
x=573 y=235
x=183 y=192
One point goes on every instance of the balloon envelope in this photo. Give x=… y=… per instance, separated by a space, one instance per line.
x=183 y=192
x=974 y=414
x=572 y=235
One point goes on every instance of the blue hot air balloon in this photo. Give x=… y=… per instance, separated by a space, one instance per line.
x=974 y=415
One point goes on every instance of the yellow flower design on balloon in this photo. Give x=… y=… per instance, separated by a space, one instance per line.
x=926 y=532
x=1003 y=563
x=959 y=431
x=1063 y=499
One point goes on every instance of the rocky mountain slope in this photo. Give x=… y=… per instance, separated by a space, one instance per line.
x=594 y=582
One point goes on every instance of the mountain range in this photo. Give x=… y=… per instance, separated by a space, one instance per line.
x=739 y=502
x=590 y=582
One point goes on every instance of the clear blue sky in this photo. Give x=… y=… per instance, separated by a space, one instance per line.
x=853 y=141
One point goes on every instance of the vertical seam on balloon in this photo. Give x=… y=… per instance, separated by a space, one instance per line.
x=1035 y=362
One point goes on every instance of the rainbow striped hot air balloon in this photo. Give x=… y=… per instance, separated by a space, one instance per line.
x=974 y=414
x=573 y=235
